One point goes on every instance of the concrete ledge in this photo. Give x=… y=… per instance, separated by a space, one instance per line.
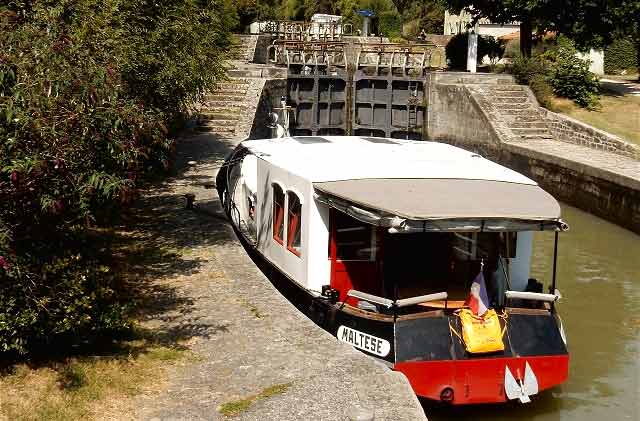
x=470 y=78
x=605 y=185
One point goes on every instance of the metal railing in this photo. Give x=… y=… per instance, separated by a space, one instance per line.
x=307 y=53
x=405 y=302
x=305 y=31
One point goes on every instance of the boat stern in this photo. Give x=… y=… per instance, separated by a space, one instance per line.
x=485 y=380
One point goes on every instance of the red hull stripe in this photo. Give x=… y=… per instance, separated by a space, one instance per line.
x=480 y=380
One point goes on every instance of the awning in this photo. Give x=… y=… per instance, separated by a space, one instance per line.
x=409 y=205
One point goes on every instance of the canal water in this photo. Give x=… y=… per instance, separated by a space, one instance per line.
x=599 y=278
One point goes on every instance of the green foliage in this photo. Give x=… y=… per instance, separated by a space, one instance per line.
x=560 y=70
x=512 y=49
x=89 y=93
x=620 y=55
x=390 y=24
x=493 y=47
x=569 y=76
x=526 y=69
x=456 y=50
x=589 y=23
x=421 y=15
x=542 y=90
x=394 y=19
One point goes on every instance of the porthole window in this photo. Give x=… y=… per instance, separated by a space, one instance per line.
x=278 y=213
x=294 y=223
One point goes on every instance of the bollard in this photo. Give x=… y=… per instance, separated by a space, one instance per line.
x=190 y=198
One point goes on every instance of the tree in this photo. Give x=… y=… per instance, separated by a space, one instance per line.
x=627 y=19
x=590 y=23
x=89 y=92
x=422 y=15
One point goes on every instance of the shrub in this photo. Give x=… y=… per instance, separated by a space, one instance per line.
x=620 y=55
x=542 y=90
x=569 y=75
x=560 y=69
x=456 y=50
x=89 y=93
x=390 y=24
x=525 y=69
x=512 y=49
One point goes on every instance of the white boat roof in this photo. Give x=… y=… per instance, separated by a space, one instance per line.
x=337 y=158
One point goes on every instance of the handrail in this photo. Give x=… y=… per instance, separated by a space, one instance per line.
x=421 y=299
x=533 y=296
x=371 y=298
x=398 y=303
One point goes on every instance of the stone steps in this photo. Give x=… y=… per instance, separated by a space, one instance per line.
x=233 y=84
x=536 y=136
x=230 y=113
x=528 y=125
x=511 y=110
x=506 y=88
x=208 y=127
x=218 y=96
x=222 y=122
x=243 y=48
x=245 y=73
x=523 y=109
x=509 y=94
x=511 y=100
x=241 y=90
x=526 y=118
x=222 y=108
x=531 y=132
x=221 y=104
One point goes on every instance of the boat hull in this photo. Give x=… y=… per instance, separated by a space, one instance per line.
x=476 y=381
x=422 y=350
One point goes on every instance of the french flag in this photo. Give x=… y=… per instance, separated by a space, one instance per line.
x=478 y=300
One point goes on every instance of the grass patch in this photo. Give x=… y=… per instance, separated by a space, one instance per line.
x=86 y=386
x=234 y=408
x=619 y=115
x=252 y=308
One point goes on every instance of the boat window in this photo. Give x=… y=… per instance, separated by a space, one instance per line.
x=355 y=240
x=294 y=223
x=278 y=213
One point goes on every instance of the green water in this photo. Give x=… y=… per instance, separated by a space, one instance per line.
x=599 y=278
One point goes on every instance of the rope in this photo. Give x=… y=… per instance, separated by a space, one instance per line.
x=455 y=333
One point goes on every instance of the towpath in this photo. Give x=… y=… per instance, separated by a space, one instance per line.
x=621 y=87
x=255 y=354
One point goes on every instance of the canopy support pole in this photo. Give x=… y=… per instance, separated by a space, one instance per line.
x=555 y=262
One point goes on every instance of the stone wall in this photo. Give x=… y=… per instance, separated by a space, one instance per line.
x=607 y=196
x=269 y=99
x=569 y=130
x=262 y=45
x=453 y=116
x=250 y=111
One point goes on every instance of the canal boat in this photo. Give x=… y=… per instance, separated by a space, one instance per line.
x=416 y=253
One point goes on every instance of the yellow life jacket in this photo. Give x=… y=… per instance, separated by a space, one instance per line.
x=481 y=334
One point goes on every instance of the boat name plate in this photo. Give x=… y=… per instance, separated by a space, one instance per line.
x=364 y=341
